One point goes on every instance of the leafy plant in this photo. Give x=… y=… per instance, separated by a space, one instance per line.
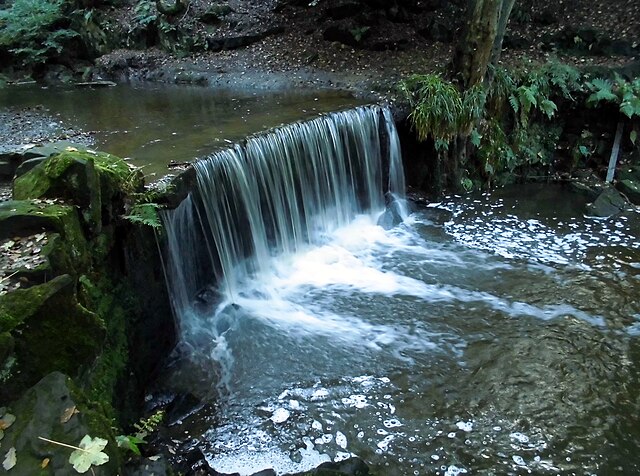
x=439 y=109
x=601 y=90
x=130 y=442
x=620 y=91
x=31 y=29
x=87 y=454
x=143 y=428
x=359 y=33
x=148 y=425
x=145 y=214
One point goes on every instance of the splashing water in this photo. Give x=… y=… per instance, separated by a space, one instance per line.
x=471 y=337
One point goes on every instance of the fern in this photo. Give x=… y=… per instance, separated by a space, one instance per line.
x=30 y=29
x=602 y=91
x=145 y=214
x=437 y=106
x=631 y=107
x=548 y=107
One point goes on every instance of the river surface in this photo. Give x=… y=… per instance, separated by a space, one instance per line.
x=490 y=334
x=154 y=124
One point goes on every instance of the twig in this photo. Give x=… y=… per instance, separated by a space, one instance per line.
x=62 y=444
x=11 y=275
x=185 y=12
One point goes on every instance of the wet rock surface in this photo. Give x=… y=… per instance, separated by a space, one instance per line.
x=57 y=410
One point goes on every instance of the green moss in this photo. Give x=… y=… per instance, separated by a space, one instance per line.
x=18 y=306
x=51 y=330
x=94 y=181
x=111 y=367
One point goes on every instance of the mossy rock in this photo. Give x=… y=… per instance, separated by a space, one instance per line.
x=51 y=331
x=631 y=188
x=95 y=181
x=216 y=13
x=27 y=217
x=42 y=412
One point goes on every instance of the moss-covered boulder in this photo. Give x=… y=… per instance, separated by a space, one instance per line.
x=94 y=181
x=67 y=247
x=56 y=409
x=50 y=331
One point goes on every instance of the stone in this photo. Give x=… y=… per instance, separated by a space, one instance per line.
x=238 y=40
x=340 y=34
x=216 y=13
x=630 y=188
x=629 y=173
x=349 y=467
x=608 y=203
x=51 y=331
x=6 y=168
x=91 y=180
x=39 y=413
x=27 y=165
x=437 y=30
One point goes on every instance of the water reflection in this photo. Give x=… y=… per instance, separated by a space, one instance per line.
x=155 y=124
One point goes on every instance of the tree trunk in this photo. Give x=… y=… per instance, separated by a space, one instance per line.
x=479 y=46
x=474 y=51
x=505 y=11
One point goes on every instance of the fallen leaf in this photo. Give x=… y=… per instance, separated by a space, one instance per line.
x=6 y=421
x=154 y=458
x=89 y=454
x=71 y=149
x=68 y=413
x=10 y=459
x=45 y=463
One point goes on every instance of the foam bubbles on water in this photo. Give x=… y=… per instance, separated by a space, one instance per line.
x=280 y=415
x=466 y=426
x=520 y=437
x=454 y=470
x=341 y=440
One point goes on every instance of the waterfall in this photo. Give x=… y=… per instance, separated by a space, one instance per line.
x=275 y=194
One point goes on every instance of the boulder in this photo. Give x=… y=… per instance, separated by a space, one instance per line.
x=608 y=203
x=241 y=39
x=93 y=181
x=344 y=9
x=50 y=331
x=56 y=409
x=343 y=34
x=214 y=14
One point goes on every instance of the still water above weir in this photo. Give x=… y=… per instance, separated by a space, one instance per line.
x=490 y=334
x=153 y=124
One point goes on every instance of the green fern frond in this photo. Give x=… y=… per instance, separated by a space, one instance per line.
x=548 y=107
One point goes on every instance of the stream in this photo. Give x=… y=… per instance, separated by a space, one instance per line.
x=486 y=334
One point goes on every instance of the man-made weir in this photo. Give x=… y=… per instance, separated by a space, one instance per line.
x=492 y=334
x=278 y=192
